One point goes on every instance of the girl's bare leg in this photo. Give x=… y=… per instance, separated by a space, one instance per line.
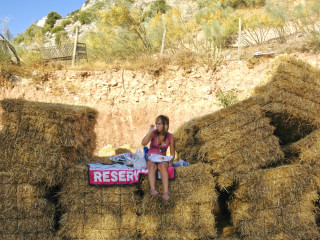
x=163 y=168
x=152 y=168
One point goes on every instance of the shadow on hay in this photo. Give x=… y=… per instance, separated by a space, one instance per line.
x=289 y=129
x=53 y=197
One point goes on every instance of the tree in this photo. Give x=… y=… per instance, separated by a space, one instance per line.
x=5 y=29
x=131 y=20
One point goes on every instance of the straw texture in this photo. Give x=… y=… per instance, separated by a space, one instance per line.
x=188 y=213
x=277 y=202
x=92 y=212
x=291 y=89
x=24 y=212
x=40 y=140
x=235 y=140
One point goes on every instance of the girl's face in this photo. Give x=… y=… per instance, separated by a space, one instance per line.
x=159 y=125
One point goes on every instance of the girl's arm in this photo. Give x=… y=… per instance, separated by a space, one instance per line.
x=148 y=137
x=172 y=151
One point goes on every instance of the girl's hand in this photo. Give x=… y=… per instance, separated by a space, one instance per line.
x=170 y=164
x=151 y=128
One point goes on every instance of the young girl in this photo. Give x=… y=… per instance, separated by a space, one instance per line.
x=160 y=140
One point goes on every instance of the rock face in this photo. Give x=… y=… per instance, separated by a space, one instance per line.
x=88 y=4
x=41 y=22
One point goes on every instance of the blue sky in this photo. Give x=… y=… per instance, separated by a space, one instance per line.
x=25 y=12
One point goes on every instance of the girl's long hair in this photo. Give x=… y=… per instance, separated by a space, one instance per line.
x=165 y=121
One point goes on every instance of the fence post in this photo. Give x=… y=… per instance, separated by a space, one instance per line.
x=75 y=46
x=164 y=35
x=239 y=40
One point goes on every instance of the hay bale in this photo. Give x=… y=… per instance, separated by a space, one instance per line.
x=269 y=203
x=24 y=212
x=234 y=140
x=40 y=140
x=95 y=212
x=307 y=150
x=188 y=213
x=289 y=94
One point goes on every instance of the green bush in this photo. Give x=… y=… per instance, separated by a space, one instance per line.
x=57 y=29
x=66 y=22
x=219 y=24
x=74 y=13
x=85 y=17
x=312 y=44
x=32 y=32
x=227 y=98
x=4 y=56
x=233 y=3
x=52 y=18
x=159 y=6
x=18 y=40
x=60 y=37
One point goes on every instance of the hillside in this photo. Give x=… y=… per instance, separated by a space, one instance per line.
x=129 y=100
x=130 y=81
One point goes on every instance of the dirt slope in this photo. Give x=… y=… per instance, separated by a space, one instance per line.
x=128 y=101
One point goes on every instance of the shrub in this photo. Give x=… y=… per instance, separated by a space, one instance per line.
x=312 y=44
x=280 y=17
x=258 y=25
x=85 y=17
x=159 y=6
x=18 y=39
x=227 y=98
x=232 y=3
x=185 y=58
x=57 y=29
x=4 y=56
x=66 y=22
x=52 y=18
x=32 y=33
x=176 y=32
x=60 y=37
x=220 y=24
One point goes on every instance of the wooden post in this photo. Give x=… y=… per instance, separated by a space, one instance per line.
x=75 y=46
x=163 y=36
x=239 y=40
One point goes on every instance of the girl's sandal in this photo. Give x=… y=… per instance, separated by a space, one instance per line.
x=153 y=192
x=166 y=196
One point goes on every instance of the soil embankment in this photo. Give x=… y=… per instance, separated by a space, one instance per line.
x=128 y=101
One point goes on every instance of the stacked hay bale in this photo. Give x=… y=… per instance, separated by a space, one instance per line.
x=40 y=140
x=93 y=212
x=24 y=212
x=277 y=203
x=235 y=140
x=290 y=95
x=188 y=213
x=306 y=150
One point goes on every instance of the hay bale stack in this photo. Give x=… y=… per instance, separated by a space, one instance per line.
x=93 y=212
x=40 y=140
x=290 y=94
x=306 y=150
x=277 y=203
x=24 y=212
x=188 y=213
x=235 y=140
